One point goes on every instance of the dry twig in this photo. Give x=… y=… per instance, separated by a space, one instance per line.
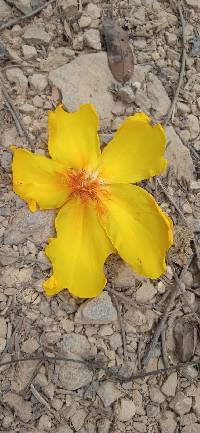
x=164 y=318
x=17 y=20
x=121 y=326
x=42 y=400
x=182 y=70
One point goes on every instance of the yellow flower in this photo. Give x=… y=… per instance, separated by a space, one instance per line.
x=100 y=211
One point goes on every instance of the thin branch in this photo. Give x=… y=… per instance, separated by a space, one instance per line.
x=164 y=318
x=172 y=201
x=17 y=20
x=182 y=70
x=121 y=326
x=110 y=371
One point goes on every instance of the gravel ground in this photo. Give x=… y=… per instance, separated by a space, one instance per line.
x=60 y=51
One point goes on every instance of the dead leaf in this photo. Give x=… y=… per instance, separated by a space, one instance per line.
x=120 y=56
x=185 y=334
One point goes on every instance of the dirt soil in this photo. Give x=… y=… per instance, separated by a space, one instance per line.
x=60 y=51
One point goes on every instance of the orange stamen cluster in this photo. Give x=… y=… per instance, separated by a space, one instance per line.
x=86 y=186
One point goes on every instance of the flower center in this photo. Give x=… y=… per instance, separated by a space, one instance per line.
x=87 y=186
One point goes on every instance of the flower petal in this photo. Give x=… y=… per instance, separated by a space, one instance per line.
x=79 y=251
x=138 y=228
x=73 y=137
x=135 y=153
x=38 y=179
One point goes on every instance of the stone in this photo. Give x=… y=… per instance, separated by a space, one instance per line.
x=192 y=123
x=29 y=52
x=126 y=94
x=91 y=73
x=145 y=293
x=193 y=3
x=69 y=8
x=67 y=325
x=104 y=425
x=126 y=410
x=108 y=392
x=5 y=11
x=195 y=184
x=115 y=341
x=193 y=428
x=93 y=11
x=11 y=276
x=84 y=22
x=36 y=35
x=178 y=156
x=38 y=226
x=30 y=345
x=181 y=404
x=196 y=405
x=2 y=344
x=44 y=423
x=53 y=61
x=21 y=407
x=3 y=327
x=8 y=255
x=78 y=419
x=156 y=93
x=156 y=395
x=124 y=276
x=63 y=428
x=92 y=39
x=38 y=82
x=73 y=376
x=170 y=385
x=99 y=310
x=168 y=422
x=76 y=343
x=23 y=5
x=16 y=76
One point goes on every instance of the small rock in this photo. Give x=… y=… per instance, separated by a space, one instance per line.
x=92 y=39
x=53 y=61
x=196 y=405
x=23 y=5
x=84 y=22
x=38 y=226
x=193 y=428
x=193 y=125
x=115 y=341
x=74 y=376
x=126 y=410
x=104 y=425
x=37 y=101
x=78 y=43
x=193 y=3
x=8 y=256
x=38 y=82
x=181 y=404
x=78 y=419
x=99 y=310
x=126 y=94
x=124 y=276
x=67 y=325
x=22 y=408
x=93 y=72
x=195 y=184
x=5 y=11
x=2 y=344
x=3 y=327
x=93 y=11
x=153 y=410
x=30 y=345
x=29 y=52
x=36 y=35
x=187 y=208
x=63 y=428
x=157 y=94
x=16 y=76
x=76 y=343
x=178 y=156
x=168 y=422
x=44 y=423
x=156 y=395
x=108 y=392
x=145 y=293
x=69 y=8
x=169 y=386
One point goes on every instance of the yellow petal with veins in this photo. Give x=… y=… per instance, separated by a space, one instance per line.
x=79 y=251
x=135 y=153
x=73 y=138
x=38 y=180
x=138 y=228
